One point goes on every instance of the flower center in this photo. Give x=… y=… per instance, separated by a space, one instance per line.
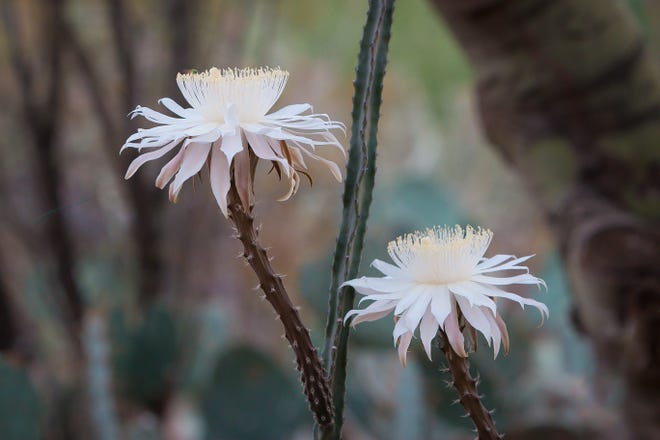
x=252 y=91
x=441 y=255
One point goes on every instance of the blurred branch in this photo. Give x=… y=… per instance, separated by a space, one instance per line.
x=121 y=30
x=95 y=88
x=8 y=330
x=569 y=93
x=145 y=207
x=41 y=118
x=181 y=16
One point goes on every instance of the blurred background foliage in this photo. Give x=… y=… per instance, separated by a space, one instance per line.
x=199 y=355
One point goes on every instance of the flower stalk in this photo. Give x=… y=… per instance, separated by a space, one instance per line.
x=466 y=386
x=308 y=363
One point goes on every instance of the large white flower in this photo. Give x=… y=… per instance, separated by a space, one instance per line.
x=442 y=280
x=228 y=113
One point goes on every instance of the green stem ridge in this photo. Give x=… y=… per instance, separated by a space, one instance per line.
x=358 y=194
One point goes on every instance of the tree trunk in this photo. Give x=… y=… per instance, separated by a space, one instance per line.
x=569 y=94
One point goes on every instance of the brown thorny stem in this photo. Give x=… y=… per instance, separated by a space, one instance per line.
x=468 y=395
x=308 y=363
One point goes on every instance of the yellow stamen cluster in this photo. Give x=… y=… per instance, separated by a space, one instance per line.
x=440 y=254
x=448 y=238
x=235 y=74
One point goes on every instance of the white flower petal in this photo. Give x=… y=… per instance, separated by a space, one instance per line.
x=175 y=108
x=494 y=331
x=453 y=332
x=486 y=263
x=509 y=265
x=524 y=278
x=399 y=329
x=396 y=296
x=388 y=269
x=219 y=177
x=231 y=145
x=497 y=292
x=170 y=168
x=385 y=285
x=334 y=168
x=231 y=115
x=193 y=159
x=503 y=330
x=200 y=129
x=410 y=297
x=261 y=148
x=474 y=294
x=441 y=304
x=428 y=328
x=154 y=116
x=146 y=157
x=415 y=312
x=375 y=311
x=475 y=317
x=289 y=111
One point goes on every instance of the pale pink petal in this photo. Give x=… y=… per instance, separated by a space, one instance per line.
x=475 y=317
x=170 y=168
x=375 y=311
x=503 y=330
x=494 y=331
x=243 y=178
x=404 y=343
x=260 y=146
x=193 y=159
x=399 y=329
x=220 y=179
x=427 y=330
x=453 y=332
x=146 y=157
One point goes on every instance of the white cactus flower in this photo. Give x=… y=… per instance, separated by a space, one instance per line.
x=228 y=114
x=440 y=275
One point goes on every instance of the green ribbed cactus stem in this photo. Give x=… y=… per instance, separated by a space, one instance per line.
x=99 y=380
x=358 y=193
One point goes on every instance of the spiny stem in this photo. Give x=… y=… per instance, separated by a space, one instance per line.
x=357 y=197
x=468 y=395
x=312 y=373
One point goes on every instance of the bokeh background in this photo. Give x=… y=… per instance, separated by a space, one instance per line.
x=126 y=317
